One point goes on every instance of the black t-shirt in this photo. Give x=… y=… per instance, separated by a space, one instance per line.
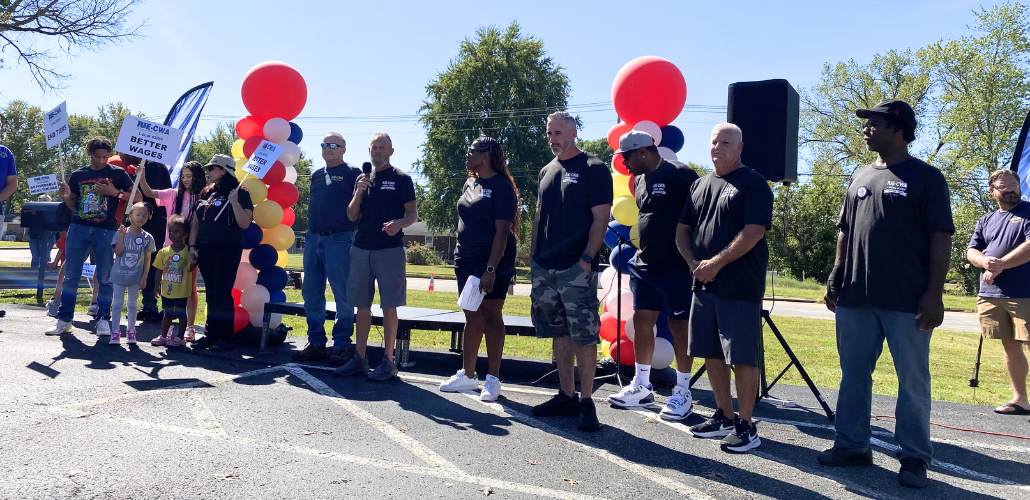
x=889 y=215
x=660 y=198
x=997 y=234
x=220 y=229
x=482 y=203
x=327 y=208
x=568 y=190
x=95 y=209
x=718 y=209
x=382 y=203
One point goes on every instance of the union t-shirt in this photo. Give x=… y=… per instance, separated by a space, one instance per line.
x=176 y=277
x=661 y=196
x=567 y=191
x=128 y=267
x=482 y=203
x=381 y=203
x=95 y=209
x=889 y=214
x=331 y=191
x=718 y=209
x=997 y=234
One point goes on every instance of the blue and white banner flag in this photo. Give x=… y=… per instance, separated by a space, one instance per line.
x=1021 y=160
x=184 y=116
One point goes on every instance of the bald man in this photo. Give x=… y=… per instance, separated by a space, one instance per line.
x=721 y=235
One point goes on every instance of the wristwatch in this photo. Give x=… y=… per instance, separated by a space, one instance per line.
x=490 y=269
x=121 y=194
x=586 y=258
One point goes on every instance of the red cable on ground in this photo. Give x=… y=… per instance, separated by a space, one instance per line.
x=964 y=429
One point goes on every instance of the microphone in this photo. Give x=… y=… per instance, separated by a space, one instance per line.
x=366 y=168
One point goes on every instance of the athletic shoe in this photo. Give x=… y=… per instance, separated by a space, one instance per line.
x=340 y=357
x=93 y=309
x=103 y=327
x=743 y=438
x=191 y=334
x=115 y=337
x=385 y=371
x=356 y=365
x=52 y=307
x=59 y=328
x=633 y=395
x=312 y=353
x=460 y=383
x=130 y=337
x=843 y=457
x=716 y=427
x=588 y=416
x=912 y=473
x=159 y=340
x=677 y=407
x=558 y=405
x=491 y=389
x=176 y=342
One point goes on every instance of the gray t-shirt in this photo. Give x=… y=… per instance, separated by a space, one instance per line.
x=128 y=267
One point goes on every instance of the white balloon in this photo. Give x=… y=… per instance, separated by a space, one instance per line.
x=291 y=175
x=652 y=129
x=290 y=154
x=254 y=298
x=245 y=257
x=631 y=330
x=663 y=354
x=608 y=279
x=246 y=276
x=626 y=311
x=667 y=153
x=256 y=319
x=277 y=130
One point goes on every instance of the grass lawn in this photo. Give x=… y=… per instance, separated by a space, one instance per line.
x=15 y=244
x=11 y=263
x=810 y=289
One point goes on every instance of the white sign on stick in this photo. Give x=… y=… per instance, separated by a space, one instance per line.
x=263 y=158
x=56 y=125
x=42 y=184
x=149 y=140
x=88 y=270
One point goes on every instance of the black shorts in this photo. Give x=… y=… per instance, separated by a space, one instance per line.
x=501 y=284
x=725 y=329
x=661 y=291
x=176 y=308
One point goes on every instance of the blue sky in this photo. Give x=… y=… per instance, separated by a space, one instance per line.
x=364 y=59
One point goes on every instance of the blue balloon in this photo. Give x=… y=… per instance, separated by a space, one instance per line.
x=620 y=257
x=277 y=297
x=672 y=138
x=252 y=236
x=263 y=257
x=296 y=134
x=663 y=324
x=619 y=228
x=611 y=240
x=273 y=279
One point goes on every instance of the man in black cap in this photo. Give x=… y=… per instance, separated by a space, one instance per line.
x=893 y=252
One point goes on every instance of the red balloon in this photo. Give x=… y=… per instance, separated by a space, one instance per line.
x=250 y=145
x=608 y=327
x=284 y=193
x=275 y=175
x=649 y=88
x=633 y=185
x=289 y=217
x=250 y=126
x=616 y=131
x=624 y=350
x=619 y=165
x=236 y=296
x=241 y=319
x=274 y=89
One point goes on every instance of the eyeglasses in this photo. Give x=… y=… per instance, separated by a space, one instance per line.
x=330 y=145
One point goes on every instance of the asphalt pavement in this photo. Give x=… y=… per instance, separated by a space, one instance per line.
x=80 y=418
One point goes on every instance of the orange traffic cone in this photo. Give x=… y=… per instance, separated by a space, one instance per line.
x=432 y=282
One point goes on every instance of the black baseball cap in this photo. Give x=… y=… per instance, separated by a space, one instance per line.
x=894 y=107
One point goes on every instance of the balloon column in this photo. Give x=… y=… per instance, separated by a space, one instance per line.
x=274 y=93
x=648 y=93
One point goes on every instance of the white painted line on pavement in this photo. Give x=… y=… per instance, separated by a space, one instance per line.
x=202 y=413
x=954 y=468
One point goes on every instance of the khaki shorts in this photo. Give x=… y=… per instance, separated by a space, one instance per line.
x=1003 y=319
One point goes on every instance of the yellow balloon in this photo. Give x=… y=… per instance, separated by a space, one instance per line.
x=268 y=214
x=606 y=349
x=240 y=174
x=620 y=184
x=280 y=237
x=625 y=210
x=284 y=259
x=634 y=236
x=258 y=192
x=237 y=148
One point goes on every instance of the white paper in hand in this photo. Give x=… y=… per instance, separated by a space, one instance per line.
x=471 y=297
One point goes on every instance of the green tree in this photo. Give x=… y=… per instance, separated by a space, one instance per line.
x=303 y=184
x=218 y=142
x=501 y=84
x=598 y=148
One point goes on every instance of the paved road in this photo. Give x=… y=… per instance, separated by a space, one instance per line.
x=80 y=418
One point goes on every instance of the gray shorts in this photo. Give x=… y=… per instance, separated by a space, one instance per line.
x=725 y=329
x=564 y=304
x=385 y=266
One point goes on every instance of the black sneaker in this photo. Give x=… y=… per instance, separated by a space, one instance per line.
x=716 y=427
x=843 y=457
x=205 y=342
x=588 y=416
x=340 y=357
x=559 y=405
x=743 y=438
x=312 y=353
x=912 y=473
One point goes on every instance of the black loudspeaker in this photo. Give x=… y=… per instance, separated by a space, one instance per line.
x=768 y=113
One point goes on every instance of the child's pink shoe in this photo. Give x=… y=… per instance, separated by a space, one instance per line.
x=191 y=334
x=130 y=337
x=176 y=342
x=159 y=340
x=115 y=336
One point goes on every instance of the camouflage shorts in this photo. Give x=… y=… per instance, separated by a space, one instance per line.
x=564 y=304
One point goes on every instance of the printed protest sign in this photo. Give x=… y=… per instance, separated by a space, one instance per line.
x=56 y=125
x=42 y=184
x=149 y=140
x=263 y=158
x=88 y=270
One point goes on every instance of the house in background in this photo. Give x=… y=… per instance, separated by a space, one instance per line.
x=442 y=242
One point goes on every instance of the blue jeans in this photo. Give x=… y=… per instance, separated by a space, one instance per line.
x=327 y=257
x=80 y=239
x=860 y=335
x=40 y=247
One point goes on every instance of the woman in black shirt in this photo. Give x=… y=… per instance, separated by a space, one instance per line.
x=487 y=223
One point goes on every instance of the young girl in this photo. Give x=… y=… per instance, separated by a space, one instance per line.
x=132 y=250
x=176 y=282
x=58 y=263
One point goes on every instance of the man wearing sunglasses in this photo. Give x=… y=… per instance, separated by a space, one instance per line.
x=327 y=246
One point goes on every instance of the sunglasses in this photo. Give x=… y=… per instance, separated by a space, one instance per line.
x=211 y=167
x=330 y=145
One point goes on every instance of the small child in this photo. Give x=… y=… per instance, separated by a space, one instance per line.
x=54 y=303
x=132 y=250
x=176 y=282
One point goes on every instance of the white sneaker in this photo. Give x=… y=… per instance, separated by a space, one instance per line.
x=115 y=337
x=678 y=406
x=491 y=389
x=459 y=383
x=92 y=310
x=633 y=395
x=51 y=308
x=103 y=327
x=59 y=328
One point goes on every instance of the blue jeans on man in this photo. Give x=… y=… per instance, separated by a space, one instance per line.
x=80 y=239
x=327 y=256
x=39 y=247
x=860 y=335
